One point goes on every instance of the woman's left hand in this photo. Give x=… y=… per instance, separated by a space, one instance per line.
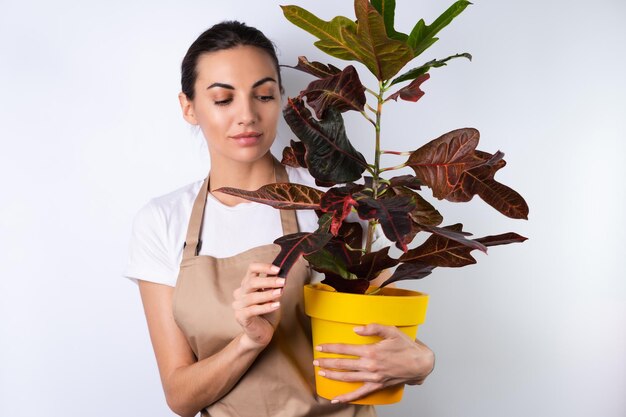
x=396 y=359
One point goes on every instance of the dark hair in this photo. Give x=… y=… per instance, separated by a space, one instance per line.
x=224 y=35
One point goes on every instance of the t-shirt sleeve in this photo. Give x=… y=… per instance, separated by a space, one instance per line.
x=150 y=257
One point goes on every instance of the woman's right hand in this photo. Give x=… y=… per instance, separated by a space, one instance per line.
x=257 y=305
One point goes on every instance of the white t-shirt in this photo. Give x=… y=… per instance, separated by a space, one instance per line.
x=160 y=229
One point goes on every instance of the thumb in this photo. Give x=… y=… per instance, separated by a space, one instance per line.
x=374 y=329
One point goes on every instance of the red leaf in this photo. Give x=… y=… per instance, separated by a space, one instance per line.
x=339 y=201
x=440 y=163
x=455 y=233
x=372 y=264
x=294 y=155
x=353 y=286
x=393 y=215
x=315 y=68
x=408 y=181
x=330 y=157
x=411 y=92
x=479 y=180
x=280 y=195
x=442 y=251
x=342 y=91
x=409 y=271
x=296 y=244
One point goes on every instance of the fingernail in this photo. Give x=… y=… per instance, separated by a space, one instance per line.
x=316 y=363
x=280 y=281
x=276 y=291
x=359 y=329
x=321 y=373
x=274 y=268
x=276 y=304
x=318 y=348
x=334 y=402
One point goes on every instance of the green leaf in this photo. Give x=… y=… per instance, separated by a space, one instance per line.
x=423 y=36
x=342 y=91
x=421 y=70
x=281 y=195
x=383 y=56
x=330 y=156
x=324 y=261
x=365 y=41
x=329 y=33
x=387 y=9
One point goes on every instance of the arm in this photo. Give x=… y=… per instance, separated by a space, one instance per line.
x=396 y=359
x=191 y=385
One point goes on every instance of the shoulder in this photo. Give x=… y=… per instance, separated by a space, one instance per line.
x=158 y=233
x=172 y=203
x=169 y=208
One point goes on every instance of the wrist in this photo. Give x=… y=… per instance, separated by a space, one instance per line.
x=247 y=345
x=424 y=366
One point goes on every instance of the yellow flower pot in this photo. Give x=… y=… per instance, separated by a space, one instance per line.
x=334 y=316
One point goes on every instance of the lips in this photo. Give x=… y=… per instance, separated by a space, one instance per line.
x=247 y=138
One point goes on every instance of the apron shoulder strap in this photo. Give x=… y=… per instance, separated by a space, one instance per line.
x=192 y=241
x=288 y=218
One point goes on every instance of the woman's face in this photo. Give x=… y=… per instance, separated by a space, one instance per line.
x=237 y=103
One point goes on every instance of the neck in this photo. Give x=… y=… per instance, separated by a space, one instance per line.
x=243 y=175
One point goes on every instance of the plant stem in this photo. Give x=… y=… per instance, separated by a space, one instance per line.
x=396 y=153
x=368 y=118
x=371 y=92
x=376 y=175
x=392 y=168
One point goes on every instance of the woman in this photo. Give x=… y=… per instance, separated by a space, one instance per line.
x=230 y=337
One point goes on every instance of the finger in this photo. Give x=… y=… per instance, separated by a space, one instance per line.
x=262 y=268
x=346 y=364
x=350 y=376
x=345 y=349
x=374 y=329
x=262 y=283
x=244 y=315
x=253 y=298
x=360 y=392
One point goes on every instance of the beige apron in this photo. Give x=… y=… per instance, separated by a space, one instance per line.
x=280 y=382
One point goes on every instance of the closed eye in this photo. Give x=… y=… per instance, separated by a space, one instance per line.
x=266 y=98
x=223 y=102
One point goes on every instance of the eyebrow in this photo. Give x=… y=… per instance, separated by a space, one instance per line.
x=230 y=87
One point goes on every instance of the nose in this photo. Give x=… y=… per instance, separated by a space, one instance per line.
x=248 y=115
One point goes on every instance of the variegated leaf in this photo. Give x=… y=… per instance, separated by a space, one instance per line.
x=281 y=195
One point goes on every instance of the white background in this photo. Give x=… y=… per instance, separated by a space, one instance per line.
x=90 y=129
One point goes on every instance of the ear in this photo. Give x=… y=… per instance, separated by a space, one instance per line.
x=186 y=106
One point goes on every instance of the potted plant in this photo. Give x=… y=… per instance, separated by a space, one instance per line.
x=449 y=165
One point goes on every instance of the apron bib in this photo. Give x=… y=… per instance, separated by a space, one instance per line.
x=280 y=382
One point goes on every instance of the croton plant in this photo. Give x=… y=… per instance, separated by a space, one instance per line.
x=449 y=165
